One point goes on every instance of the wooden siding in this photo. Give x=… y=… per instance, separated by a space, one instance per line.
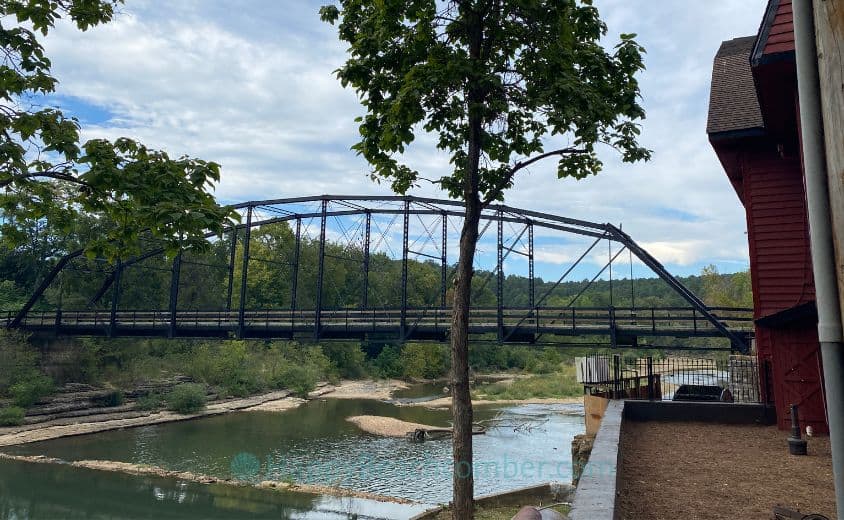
x=778 y=232
x=781 y=34
x=796 y=377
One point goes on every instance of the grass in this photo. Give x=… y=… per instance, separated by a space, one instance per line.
x=559 y=384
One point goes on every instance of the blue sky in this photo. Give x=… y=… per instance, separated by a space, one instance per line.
x=252 y=88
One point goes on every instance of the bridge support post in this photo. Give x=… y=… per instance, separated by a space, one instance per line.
x=115 y=298
x=321 y=272
x=444 y=262
x=232 y=255
x=366 y=245
x=499 y=289
x=244 y=275
x=613 y=330
x=405 y=246
x=294 y=286
x=175 y=274
x=531 y=281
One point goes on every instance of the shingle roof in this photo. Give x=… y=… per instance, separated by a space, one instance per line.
x=733 y=104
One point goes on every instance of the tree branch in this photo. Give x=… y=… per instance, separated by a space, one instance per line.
x=48 y=174
x=502 y=184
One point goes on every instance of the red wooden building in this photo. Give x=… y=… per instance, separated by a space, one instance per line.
x=753 y=127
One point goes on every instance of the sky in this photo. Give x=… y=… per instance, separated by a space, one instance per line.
x=250 y=85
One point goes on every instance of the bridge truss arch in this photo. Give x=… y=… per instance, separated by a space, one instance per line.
x=378 y=268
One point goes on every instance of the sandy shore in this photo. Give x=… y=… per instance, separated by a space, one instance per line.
x=272 y=401
x=445 y=402
x=139 y=469
x=386 y=426
x=366 y=389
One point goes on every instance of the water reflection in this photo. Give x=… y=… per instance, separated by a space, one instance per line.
x=313 y=444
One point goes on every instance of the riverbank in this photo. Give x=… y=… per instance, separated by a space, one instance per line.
x=445 y=402
x=97 y=422
x=277 y=401
x=146 y=470
x=381 y=389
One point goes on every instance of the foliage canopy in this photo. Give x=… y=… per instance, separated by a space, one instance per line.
x=540 y=71
x=47 y=173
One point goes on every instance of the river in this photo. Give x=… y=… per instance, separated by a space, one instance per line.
x=311 y=444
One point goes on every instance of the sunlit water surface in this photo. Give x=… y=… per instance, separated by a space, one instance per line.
x=312 y=444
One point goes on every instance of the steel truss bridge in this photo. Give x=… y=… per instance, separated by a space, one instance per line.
x=365 y=239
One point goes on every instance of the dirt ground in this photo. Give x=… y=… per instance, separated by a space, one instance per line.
x=698 y=471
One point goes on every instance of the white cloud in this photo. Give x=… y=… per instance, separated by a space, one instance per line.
x=252 y=88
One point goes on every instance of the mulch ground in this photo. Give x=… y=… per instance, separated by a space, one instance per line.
x=697 y=471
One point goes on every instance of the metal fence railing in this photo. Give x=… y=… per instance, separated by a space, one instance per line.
x=729 y=379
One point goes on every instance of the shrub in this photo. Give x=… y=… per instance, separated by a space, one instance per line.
x=387 y=363
x=186 y=398
x=348 y=358
x=18 y=359
x=151 y=401
x=232 y=366
x=27 y=393
x=300 y=379
x=424 y=360
x=113 y=398
x=11 y=416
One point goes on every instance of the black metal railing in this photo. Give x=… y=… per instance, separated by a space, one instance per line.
x=734 y=378
x=511 y=323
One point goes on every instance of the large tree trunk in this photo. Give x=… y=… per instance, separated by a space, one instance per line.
x=464 y=482
x=463 y=506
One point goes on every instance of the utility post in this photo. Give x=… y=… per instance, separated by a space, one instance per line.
x=823 y=189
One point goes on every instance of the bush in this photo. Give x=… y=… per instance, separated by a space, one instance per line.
x=186 y=398
x=27 y=393
x=553 y=385
x=151 y=401
x=348 y=358
x=232 y=366
x=11 y=416
x=300 y=379
x=18 y=359
x=424 y=360
x=113 y=398
x=387 y=363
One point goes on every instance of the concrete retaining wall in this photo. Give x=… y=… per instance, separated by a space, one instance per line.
x=594 y=498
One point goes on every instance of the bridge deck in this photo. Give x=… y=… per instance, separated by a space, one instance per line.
x=508 y=325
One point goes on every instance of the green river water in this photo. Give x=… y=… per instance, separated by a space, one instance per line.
x=311 y=444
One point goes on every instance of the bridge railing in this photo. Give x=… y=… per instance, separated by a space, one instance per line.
x=521 y=320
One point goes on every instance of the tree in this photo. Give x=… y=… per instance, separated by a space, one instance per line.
x=496 y=81
x=46 y=173
x=729 y=290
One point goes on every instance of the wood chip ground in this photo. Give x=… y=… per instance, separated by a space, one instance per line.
x=697 y=471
